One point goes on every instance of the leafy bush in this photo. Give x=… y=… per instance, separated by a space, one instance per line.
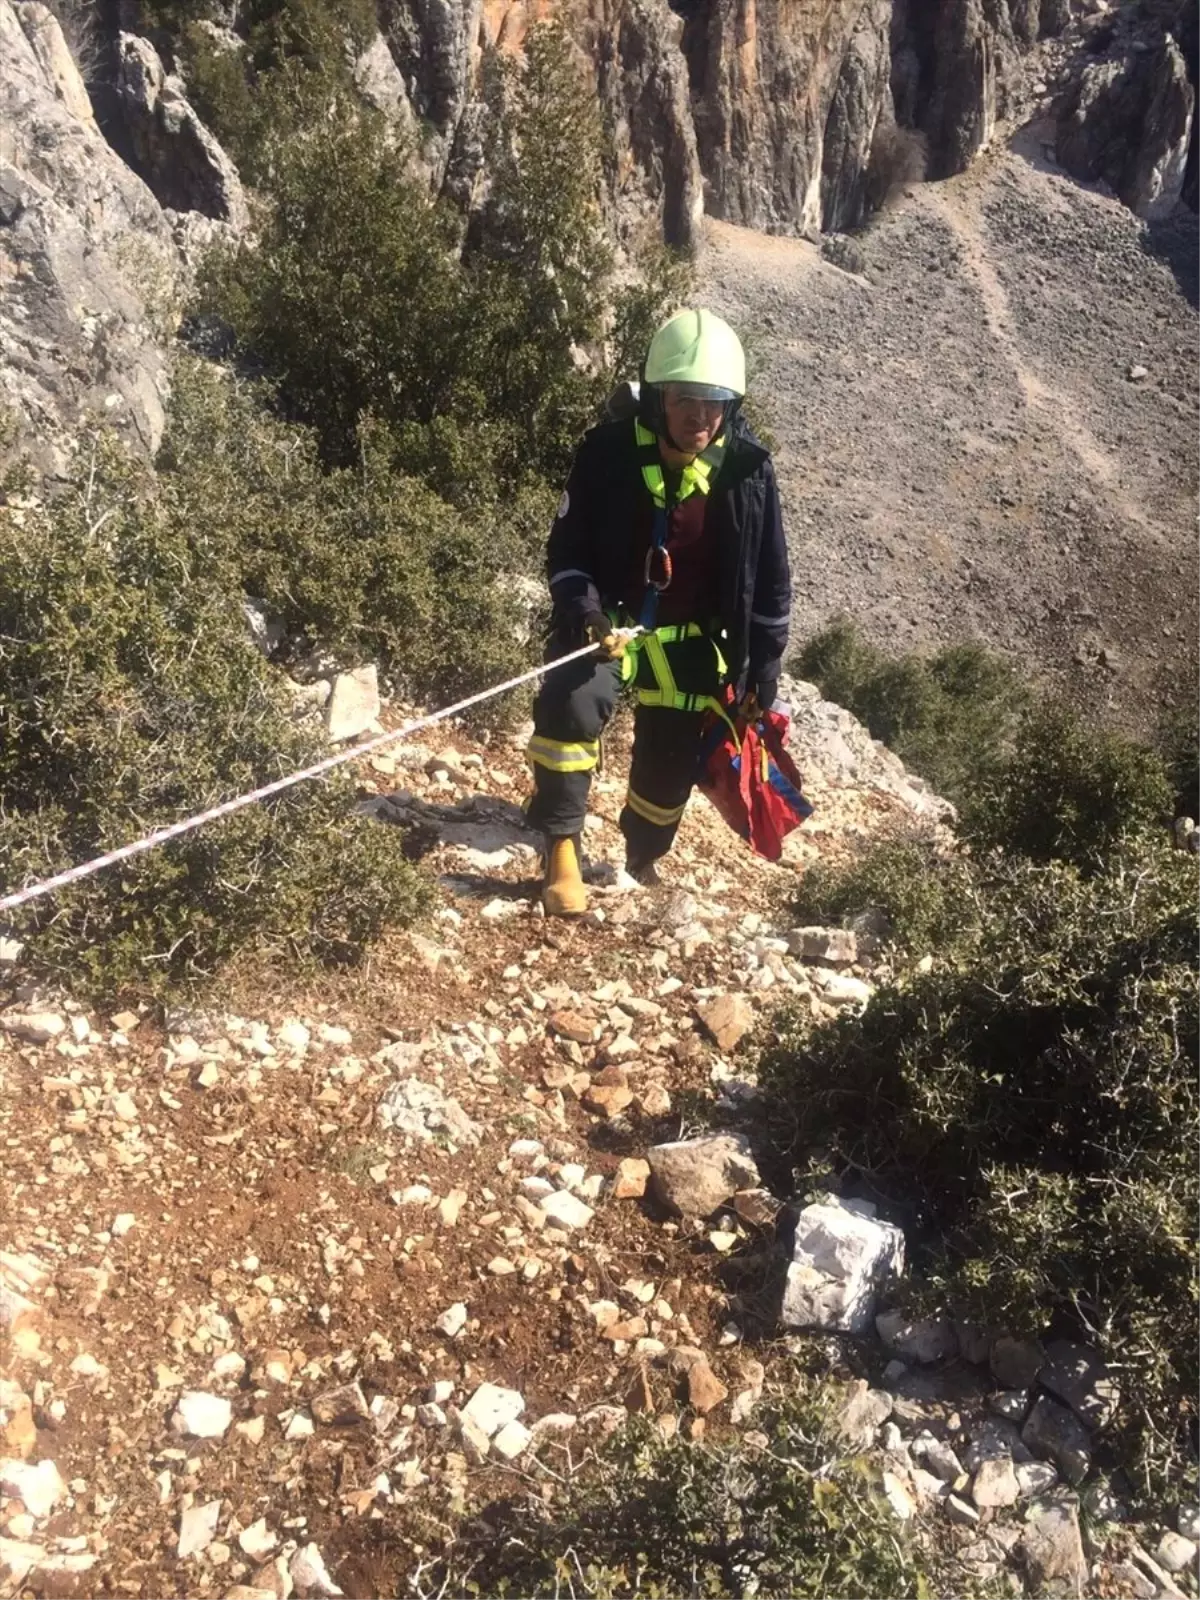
x=486 y=355
x=365 y=561
x=676 y=1519
x=1032 y=1104
x=1065 y=792
x=926 y=896
x=133 y=697
x=948 y=715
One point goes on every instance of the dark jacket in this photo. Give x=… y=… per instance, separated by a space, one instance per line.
x=591 y=545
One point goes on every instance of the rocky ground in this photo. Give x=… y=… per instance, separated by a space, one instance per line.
x=984 y=412
x=288 y=1281
x=401 y=1180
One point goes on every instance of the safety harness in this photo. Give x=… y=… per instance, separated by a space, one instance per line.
x=696 y=478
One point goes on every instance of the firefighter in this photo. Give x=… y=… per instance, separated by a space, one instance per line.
x=670 y=521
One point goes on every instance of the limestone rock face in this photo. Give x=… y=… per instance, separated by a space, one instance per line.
x=631 y=46
x=1128 y=119
x=78 y=233
x=171 y=148
x=789 y=100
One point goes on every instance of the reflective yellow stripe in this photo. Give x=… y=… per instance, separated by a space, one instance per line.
x=661 y=668
x=661 y=816
x=696 y=476
x=559 y=756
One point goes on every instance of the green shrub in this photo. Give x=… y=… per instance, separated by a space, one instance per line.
x=1032 y=1104
x=948 y=716
x=926 y=896
x=365 y=561
x=486 y=356
x=676 y=1519
x=1066 y=792
x=132 y=698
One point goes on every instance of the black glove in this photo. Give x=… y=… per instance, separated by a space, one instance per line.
x=599 y=630
x=766 y=691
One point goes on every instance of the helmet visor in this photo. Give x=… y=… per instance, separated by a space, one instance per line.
x=709 y=392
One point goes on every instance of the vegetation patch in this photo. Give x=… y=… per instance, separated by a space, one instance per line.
x=133 y=698
x=1031 y=1104
x=949 y=715
x=786 y=1514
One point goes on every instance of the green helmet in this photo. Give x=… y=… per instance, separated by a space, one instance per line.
x=697 y=349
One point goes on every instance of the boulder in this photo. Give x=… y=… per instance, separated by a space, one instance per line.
x=1056 y=1434
x=837 y=946
x=925 y=1339
x=695 y=1176
x=353 y=705
x=1053 y=1550
x=1076 y=1374
x=1016 y=1363
x=841 y=1257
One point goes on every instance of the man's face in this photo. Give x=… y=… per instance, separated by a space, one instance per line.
x=692 y=423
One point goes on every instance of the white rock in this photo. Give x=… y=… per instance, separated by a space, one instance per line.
x=35 y=1027
x=121 y=1224
x=1187 y=1523
x=842 y=990
x=512 y=1440
x=311 y=1576
x=453 y=1320
x=329 y=1033
x=124 y=1107
x=257 y=1541
x=567 y=1210
x=898 y=1498
x=299 y=1425
x=294 y=1036
x=201 y=1416
x=197 y=1528
x=492 y=1407
x=840 y=1258
x=38 y=1485
x=353 y=704
x=1175 y=1552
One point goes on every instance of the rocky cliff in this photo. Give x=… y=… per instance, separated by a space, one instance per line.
x=84 y=247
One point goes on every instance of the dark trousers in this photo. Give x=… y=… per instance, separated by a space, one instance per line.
x=571 y=711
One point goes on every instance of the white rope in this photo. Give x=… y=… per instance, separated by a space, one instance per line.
x=228 y=807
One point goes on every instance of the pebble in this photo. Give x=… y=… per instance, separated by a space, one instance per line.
x=567 y=1210
x=341 y=1406
x=728 y=1018
x=995 y=1483
x=197 y=1528
x=492 y=1407
x=453 y=1320
x=122 y=1223
x=38 y=1485
x=200 y=1415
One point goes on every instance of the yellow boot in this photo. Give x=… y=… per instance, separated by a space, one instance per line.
x=563 y=893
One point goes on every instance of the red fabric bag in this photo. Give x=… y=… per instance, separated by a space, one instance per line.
x=753 y=782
